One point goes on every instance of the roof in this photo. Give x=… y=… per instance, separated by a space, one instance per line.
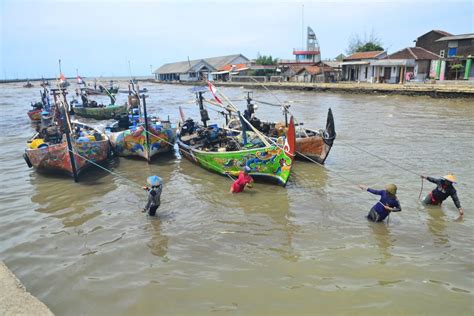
x=416 y=53
x=230 y=67
x=185 y=66
x=333 y=64
x=444 y=33
x=315 y=70
x=355 y=62
x=393 y=62
x=364 y=55
x=456 y=37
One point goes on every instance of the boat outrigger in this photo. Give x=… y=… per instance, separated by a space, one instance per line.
x=226 y=151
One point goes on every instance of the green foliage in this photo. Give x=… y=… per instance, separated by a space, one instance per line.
x=366 y=43
x=456 y=67
x=266 y=60
x=369 y=47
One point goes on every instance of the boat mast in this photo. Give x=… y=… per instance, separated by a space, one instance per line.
x=146 y=129
x=202 y=110
x=68 y=131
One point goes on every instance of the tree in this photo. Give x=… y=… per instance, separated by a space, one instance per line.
x=364 y=44
x=266 y=60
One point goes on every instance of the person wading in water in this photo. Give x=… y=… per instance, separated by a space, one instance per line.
x=154 y=195
x=444 y=188
x=388 y=202
x=244 y=180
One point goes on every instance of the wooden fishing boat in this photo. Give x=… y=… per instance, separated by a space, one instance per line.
x=35 y=113
x=48 y=150
x=101 y=91
x=311 y=144
x=101 y=112
x=226 y=152
x=146 y=138
x=28 y=85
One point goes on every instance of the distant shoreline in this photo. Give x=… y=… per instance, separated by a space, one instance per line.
x=458 y=89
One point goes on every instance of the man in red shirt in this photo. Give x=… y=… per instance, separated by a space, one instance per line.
x=242 y=181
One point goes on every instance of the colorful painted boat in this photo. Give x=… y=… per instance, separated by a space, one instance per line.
x=100 y=112
x=35 y=115
x=50 y=152
x=267 y=163
x=311 y=145
x=133 y=141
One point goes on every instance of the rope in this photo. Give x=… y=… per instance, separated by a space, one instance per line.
x=421 y=190
x=105 y=169
x=182 y=150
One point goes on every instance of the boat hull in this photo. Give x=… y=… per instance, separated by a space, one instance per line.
x=269 y=164
x=35 y=115
x=312 y=148
x=56 y=157
x=131 y=143
x=100 y=113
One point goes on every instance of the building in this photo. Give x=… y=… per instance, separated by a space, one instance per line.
x=429 y=42
x=226 y=72
x=356 y=67
x=194 y=70
x=458 y=59
x=455 y=51
x=320 y=73
x=310 y=54
x=411 y=63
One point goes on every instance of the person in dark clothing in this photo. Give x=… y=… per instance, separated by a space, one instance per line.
x=444 y=189
x=154 y=195
x=388 y=203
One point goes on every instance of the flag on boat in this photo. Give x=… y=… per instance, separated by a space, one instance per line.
x=214 y=91
x=62 y=78
x=79 y=80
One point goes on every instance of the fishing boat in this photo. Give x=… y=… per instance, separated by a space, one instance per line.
x=226 y=151
x=136 y=136
x=91 y=109
x=100 y=112
x=311 y=144
x=28 y=85
x=35 y=113
x=64 y=146
x=49 y=149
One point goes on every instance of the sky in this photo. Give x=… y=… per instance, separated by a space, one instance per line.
x=119 y=37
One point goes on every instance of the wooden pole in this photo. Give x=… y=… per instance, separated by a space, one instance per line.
x=146 y=129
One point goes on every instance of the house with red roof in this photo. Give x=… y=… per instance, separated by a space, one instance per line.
x=408 y=64
x=356 y=67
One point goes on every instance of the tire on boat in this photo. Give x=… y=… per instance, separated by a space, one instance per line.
x=27 y=160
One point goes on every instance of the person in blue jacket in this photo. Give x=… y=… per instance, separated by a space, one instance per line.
x=388 y=202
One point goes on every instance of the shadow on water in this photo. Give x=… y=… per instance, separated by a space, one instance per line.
x=437 y=225
x=158 y=242
x=384 y=240
x=57 y=194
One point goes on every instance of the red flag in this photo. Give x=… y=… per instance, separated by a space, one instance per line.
x=214 y=91
x=62 y=78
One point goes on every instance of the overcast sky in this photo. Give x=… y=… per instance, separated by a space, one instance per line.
x=100 y=37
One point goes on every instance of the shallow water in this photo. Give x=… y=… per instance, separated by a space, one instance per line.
x=85 y=248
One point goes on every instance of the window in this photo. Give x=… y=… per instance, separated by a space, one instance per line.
x=452 y=51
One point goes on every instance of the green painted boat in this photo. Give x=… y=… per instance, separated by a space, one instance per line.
x=101 y=112
x=267 y=163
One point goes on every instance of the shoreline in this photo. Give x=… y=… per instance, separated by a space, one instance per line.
x=438 y=90
x=15 y=299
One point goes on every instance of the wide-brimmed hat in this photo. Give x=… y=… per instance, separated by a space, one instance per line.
x=154 y=181
x=450 y=178
x=391 y=188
